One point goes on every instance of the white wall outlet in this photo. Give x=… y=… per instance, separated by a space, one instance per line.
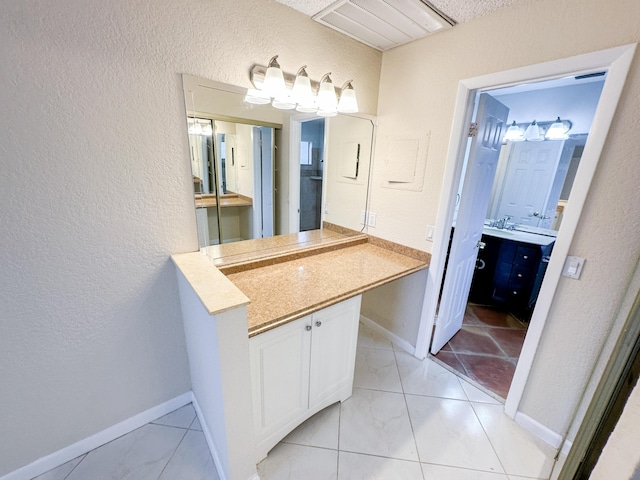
x=573 y=267
x=363 y=218
x=372 y=219
x=430 y=232
x=326 y=208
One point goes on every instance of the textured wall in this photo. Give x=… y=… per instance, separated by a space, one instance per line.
x=417 y=93
x=619 y=458
x=96 y=193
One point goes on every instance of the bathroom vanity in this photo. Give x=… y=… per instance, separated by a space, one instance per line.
x=510 y=268
x=271 y=329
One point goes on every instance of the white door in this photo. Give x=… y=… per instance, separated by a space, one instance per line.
x=476 y=192
x=530 y=174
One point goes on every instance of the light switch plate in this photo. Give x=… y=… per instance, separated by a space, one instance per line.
x=573 y=267
x=372 y=219
x=430 y=231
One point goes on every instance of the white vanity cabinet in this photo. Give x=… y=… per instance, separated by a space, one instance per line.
x=300 y=368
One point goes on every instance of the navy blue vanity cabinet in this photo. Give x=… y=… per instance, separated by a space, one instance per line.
x=482 y=283
x=518 y=275
x=509 y=273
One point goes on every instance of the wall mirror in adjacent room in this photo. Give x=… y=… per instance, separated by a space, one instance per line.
x=260 y=171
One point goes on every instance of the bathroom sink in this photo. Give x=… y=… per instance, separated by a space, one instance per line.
x=519 y=236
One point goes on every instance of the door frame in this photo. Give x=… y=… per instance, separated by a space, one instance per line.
x=616 y=61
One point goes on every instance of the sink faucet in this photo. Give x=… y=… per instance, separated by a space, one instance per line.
x=502 y=223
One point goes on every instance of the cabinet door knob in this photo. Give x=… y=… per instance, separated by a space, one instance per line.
x=308 y=328
x=525 y=256
x=318 y=323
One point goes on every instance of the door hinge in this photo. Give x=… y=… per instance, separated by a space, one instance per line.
x=473 y=129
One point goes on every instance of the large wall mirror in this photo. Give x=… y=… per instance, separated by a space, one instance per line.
x=259 y=171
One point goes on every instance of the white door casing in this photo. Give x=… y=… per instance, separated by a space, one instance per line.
x=616 y=61
x=476 y=193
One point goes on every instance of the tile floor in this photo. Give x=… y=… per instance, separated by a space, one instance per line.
x=407 y=419
x=487 y=348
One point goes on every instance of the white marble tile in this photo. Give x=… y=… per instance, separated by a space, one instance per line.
x=195 y=425
x=296 y=462
x=139 y=455
x=426 y=377
x=448 y=433
x=367 y=337
x=519 y=451
x=376 y=369
x=61 y=472
x=355 y=466
x=181 y=417
x=438 y=472
x=191 y=461
x=321 y=430
x=377 y=423
x=474 y=394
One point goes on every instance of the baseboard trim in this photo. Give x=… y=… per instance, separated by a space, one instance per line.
x=392 y=337
x=207 y=435
x=542 y=432
x=64 y=455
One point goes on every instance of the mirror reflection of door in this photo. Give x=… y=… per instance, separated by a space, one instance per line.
x=311 y=174
x=232 y=165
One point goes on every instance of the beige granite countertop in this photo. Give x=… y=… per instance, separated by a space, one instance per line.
x=214 y=289
x=284 y=278
x=289 y=290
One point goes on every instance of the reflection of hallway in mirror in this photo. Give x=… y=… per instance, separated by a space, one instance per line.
x=487 y=347
x=311 y=170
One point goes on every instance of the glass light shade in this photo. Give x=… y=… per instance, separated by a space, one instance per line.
x=273 y=85
x=327 y=100
x=284 y=102
x=327 y=113
x=348 y=102
x=257 y=97
x=308 y=107
x=558 y=131
x=533 y=133
x=514 y=133
x=207 y=130
x=194 y=127
x=301 y=92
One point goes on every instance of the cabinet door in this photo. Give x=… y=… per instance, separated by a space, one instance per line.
x=280 y=375
x=333 y=350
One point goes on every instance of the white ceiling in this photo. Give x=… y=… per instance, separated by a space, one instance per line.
x=458 y=10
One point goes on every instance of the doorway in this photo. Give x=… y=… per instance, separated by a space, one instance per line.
x=616 y=62
x=525 y=198
x=311 y=174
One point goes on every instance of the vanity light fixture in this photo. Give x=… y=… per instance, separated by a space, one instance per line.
x=257 y=97
x=195 y=128
x=274 y=85
x=327 y=100
x=533 y=133
x=207 y=130
x=348 y=102
x=299 y=91
x=558 y=130
x=514 y=133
